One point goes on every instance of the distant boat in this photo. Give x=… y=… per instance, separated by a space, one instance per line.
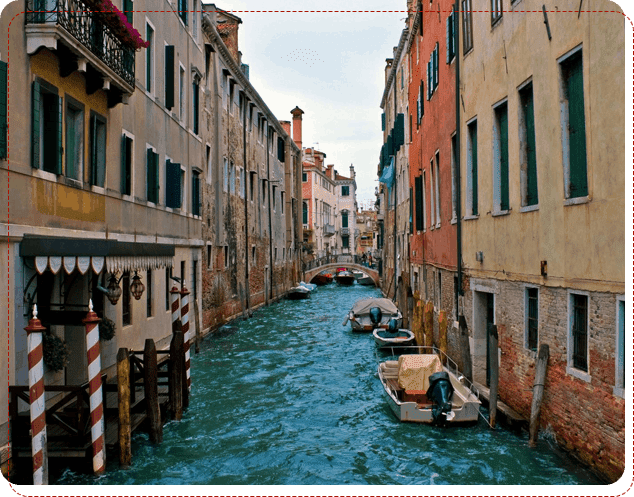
x=358 y=274
x=366 y=280
x=298 y=293
x=322 y=279
x=345 y=278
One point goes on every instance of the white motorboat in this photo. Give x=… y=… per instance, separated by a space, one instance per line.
x=372 y=313
x=397 y=338
x=421 y=390
x=366 y=280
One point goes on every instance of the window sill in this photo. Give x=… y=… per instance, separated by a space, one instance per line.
x=454 y=220
x=471 y=217
x=437 y=226
x=582 y=375
x=73 y=183
x=98 y=189
x=618 y=392
x=501 y=213
x=578 y=200
x=530 y=208
x=39 y=173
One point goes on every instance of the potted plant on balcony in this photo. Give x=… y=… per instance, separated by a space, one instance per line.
x=118 y=23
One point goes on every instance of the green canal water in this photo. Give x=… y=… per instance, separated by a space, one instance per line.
x=291 y=397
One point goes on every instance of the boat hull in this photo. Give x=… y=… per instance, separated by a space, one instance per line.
x=322 y=279
x=401 y=341
x=298 y=294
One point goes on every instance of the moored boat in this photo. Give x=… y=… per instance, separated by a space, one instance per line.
x=397 y=338
x=322 y=279
x=368 y=314
x=298 y=293
x=421 y=390
x=366 y=280
x=345 y=278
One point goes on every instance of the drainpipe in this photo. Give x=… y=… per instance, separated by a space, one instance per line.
x=457 y=158
x=246 y=203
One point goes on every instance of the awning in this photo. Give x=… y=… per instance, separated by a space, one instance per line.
x=53 y=253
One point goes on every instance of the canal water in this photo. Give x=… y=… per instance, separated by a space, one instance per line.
x=290 y=396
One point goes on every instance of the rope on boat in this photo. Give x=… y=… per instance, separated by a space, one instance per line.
x=485 y=419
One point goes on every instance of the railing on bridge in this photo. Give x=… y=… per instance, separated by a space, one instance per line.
x=337 y=259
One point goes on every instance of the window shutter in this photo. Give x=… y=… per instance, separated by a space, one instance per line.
x=399 y=131
x=125 y=160
x=435 y=68
x=93 y=149
x=383 y=122
x=35 y=125
x=504 y=161
x=3 y=109
x=128 y=7
x=195 y=194
x=448 y=38
x=411 y=213
x=280 y=149
x=60 y=127
x=196 y=105
x=429 y=79
x=390 y=147
x=173 y=182
x=418 y=184
x=169 y=76
x=152 y=176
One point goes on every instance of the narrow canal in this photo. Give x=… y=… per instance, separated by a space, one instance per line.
x=290 y=396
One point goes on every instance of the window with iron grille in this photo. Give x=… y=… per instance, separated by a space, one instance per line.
x=532 y=318
x=579 y=331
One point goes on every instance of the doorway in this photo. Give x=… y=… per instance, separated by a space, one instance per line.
x=483 y=319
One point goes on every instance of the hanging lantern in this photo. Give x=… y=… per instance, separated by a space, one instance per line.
x=114 y=290
x=137 y=287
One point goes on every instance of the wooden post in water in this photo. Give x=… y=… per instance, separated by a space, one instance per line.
x=465 y=349
x=429 y=324
x=176 y=384
x=198 y=330
x=538 y=392
x=442 y=333
x=123 y=391
x=150 y=382
x=494 y=377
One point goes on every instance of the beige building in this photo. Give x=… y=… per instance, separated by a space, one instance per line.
x=542 y=171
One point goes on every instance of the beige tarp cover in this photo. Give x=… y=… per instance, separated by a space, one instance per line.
x=363 y=306
x=414 y=370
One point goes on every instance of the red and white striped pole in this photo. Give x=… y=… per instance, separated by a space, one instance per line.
x=95 y=391
x=37 y=400
x=185 y=321
x=175 y=298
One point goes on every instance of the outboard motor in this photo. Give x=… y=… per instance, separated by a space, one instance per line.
x=375 y=316
x=440 y=393
x=392 y=328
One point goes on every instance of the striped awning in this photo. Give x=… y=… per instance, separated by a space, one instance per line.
x=55 y=253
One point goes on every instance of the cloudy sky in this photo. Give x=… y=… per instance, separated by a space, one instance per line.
x=331 y=65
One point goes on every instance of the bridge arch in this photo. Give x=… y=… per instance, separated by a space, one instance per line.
x=309 y=274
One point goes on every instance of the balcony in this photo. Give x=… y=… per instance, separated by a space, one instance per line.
x=345 y=231
x=82 y=42
x=329 y=230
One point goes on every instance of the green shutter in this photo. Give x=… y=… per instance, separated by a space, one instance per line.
x=152 y=176
x=383 y=121
x=411 y=213
x=173 y=184
x=124 y=165
x=128 y=7
x=418 y=185
x=390 y=146
x=59 y=150
x=504 y=158
x=531 y=166
x=35 y=125
x=3 y=108
x=169 y=76
x=399 y=131
x=195 y=194
x=473 y=132
x=576 y=126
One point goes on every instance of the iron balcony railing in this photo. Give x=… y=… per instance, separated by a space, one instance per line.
x=85 y=26
x=345 y=231
x=329 y=229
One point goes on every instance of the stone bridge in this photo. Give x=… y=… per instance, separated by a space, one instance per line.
x=313 y=268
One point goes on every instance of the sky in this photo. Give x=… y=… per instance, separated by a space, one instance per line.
x=331 y=65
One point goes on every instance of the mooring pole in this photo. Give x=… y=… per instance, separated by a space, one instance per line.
x=538 y=392
x=37 y=400
x=493 y=365
x=123 y=391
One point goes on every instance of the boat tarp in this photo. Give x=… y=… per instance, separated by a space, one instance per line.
x=414 y=370
x=363 y=306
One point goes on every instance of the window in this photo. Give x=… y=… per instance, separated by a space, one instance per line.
x=281 y=149
x=532 y=318
x=424 y=208
x=450 y=32
x=232 y=85
x=243 y=183
x=472 y=168
x=148 y=293
x=282 y=201
x=152 y=176
x=74 y=143
x=169 y=76
x=467 y=26
x=209 y=169
x=573 y=127
x=345 y=241
x=125 y=299
x=4 y=83
x=46 y=127
x=274 y=197
x=528 y=161
x=253 y=184
x=432 y=186
x=97 y=150
x=195 y=193
x=345 y=191
x=195 y=15
x=619 y=381
x=418 y=192
x=226 y=254
x=225 y=175
x=127 y=155
x=182 y=10
x=454 y=197
x=173 y=191
x=496 y=11
x=264 y=190
x=420 y=106
x=432 y=73
x=168 y=273
x=182 y=184
x=578 y=337
x=304 y=177
x=344 y=219
x=304 y=212
x=195 y=106
x=195 y=279
x=149 y=58
x=232 y=178
x=128 y=8
x=209 y=259
x=501 y=159
x=181 y=94
x=437 y=180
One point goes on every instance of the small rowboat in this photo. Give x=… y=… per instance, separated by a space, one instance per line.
x=398 y=338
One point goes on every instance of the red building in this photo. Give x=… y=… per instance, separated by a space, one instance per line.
x=432 y=121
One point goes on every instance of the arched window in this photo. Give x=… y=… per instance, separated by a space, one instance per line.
x=344 y=219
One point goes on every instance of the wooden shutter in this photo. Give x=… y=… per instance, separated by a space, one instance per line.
x=448 y=38
x=126 y=162
x=429 y=79
x=173 y=184
x=531 y=163
x=411 y=213
x=196 y=104
x=169 y=76
x=435 y=68
x=93 y=149
x=35 y=125
x=576 y=126
x=128 y=7
x=59 y=150
x=281 y=156
x=383 y=121
x=399 y=131
x=473 y=133
x=3 y=109
x=418 y=187
x=152 y=176
x=195 y=194
x=504 y=158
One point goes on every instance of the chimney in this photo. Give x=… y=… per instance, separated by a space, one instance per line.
x=352 y=173
x=287 y=127
x=297 y=126
x=329 y=171
x=388 y=68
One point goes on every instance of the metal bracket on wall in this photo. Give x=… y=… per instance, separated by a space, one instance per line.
x=546 y=22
